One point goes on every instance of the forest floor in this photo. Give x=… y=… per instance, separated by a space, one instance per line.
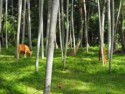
x=83 y=74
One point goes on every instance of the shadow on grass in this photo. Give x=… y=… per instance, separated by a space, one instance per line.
x=83 y=74
x=8 y=88
x=97 y=82
x=15 y=76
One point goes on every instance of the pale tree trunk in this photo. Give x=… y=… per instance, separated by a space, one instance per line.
x=29 y=25
x=86 y=25
x=73 y=33
x=70 y=41
x=109 y=30
x=109 y=26
x=39 y=36
x=1 y=8
x=24 y=21
x=49 y=61
x=42 y=36
x=60 y=33
x=100 y=30
x=103 y=21
x=6 y=34
x=67 y=33
x=62 y=28
x=112 y=36
x=18 y=29
x=48 y=22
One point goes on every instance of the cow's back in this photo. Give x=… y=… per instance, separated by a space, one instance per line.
x=26 y=48
x=21 y=47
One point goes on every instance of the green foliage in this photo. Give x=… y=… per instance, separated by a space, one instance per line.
x=83 y=74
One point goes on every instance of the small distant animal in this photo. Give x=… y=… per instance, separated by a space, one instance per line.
x=104 y=52
x=25 y=49
x=59 y=85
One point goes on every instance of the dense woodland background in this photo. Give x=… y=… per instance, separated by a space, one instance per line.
x=92 y=17
x=92 y=13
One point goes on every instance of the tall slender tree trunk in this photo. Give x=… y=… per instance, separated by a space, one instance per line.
x=6 y=34
x=60 y=33
x=29 y=25
x=112 y=36
x=103 y=30
x=62 y=28
x=101 y=33
x=42 y=36
x=67 y=32
x=49 y=61
x=1 y=8
x=39 y=36
x=24 y=21
x=70 y=43
x=109 y=31
x=73 y=33
x=41 y=3
x=18 y=29
x=86 y=25
x=48 y=22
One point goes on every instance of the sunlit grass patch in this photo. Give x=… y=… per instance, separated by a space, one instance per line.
x=83 y=74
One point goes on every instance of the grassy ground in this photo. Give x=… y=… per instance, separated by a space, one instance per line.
x=83 y=74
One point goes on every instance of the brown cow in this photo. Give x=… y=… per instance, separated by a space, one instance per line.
x=25 y=49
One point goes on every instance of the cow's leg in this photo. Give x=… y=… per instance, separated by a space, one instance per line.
x=25 y=54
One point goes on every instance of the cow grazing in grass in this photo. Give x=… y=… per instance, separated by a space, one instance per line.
x=25 y=49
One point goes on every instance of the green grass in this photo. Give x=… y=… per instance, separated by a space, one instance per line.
x=83 y=74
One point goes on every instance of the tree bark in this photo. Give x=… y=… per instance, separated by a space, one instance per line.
x=29 y=25
x=62 y=29
x=42 y=36
x=18 y=29
x=86 y=25
x=6 y=35
x=1 y=8
x=39 y=37
x=101 y=33
x=48 y=22
x=112 y=36
x=24 y=21
x=73 y=33
x=67 y=33
x=49 y=61
x=60 y=33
